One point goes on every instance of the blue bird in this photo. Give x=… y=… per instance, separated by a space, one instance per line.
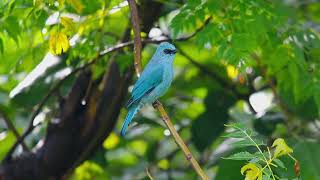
x=154 y=81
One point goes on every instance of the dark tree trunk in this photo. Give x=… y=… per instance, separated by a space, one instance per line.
x=78 y=129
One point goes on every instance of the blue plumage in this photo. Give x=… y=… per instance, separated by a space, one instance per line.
x=153 y=82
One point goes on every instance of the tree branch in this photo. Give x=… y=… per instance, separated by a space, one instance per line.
x=166 y=119
x=229 y=85
x=149 y=174
x=157 y=104
x=11 y=127
x=137 y=38
x=206 y=22
x=205 y=70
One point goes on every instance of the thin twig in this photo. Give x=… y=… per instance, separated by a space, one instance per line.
x=205 y=70
x=206 y=22
x=137 y=38
x=149 y=174
x=179 y=141
x=11 y=127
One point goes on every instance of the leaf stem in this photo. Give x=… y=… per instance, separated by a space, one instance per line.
x=256 y=145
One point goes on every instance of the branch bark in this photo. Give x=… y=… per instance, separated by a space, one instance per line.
x=137 y=38
x=166 y=119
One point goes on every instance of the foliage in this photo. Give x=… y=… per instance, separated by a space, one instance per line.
x=261 y=163
x=254 y=65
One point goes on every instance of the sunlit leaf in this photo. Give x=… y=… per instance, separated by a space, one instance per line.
x=252 y=172
x=88 y=170
x=138 y=146
x=163 y=164
x=77 y=5
x=68 y=24
x=281 y=147
x=61 y=2
x=232 y=71
x=112 y=141
x=58 y=43
x=6 y=141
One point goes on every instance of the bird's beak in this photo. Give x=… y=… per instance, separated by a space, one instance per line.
x=173 y=51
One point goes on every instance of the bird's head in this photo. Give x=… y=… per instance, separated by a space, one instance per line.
x=166 y=49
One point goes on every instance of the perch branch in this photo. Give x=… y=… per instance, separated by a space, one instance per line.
x=149 y=174
x=157 y=104
x=137 y=38
x=166 y=119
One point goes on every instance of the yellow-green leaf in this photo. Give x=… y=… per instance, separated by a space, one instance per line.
x=163 y=164
x=281 y=147
x=37 y=2
x=111 y=142
x=58 y=43
x=68 y=24
x=251 y=171
x=61 y=2
x=76 y=4
x=232 y=72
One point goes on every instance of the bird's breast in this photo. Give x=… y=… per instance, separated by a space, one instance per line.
x=168 y=75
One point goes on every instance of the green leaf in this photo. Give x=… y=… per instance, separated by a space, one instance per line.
x=316 y=97
x=6 y=141
x=12 y=27
x=241 y=156
x=243 y=42
x=279 y=163
x=229 y=170
x=267 y=172
x=247 y=142
x=305 y=153
x=233 y=134
x=1 y=46
x=243 y=143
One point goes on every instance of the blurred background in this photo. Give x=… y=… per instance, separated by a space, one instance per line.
x=256 y=62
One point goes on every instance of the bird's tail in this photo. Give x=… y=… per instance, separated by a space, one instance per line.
x=132 y=111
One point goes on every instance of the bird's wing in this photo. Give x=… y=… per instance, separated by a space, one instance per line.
x=146 y=84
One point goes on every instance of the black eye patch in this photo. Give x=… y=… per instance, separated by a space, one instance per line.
x=169 y=51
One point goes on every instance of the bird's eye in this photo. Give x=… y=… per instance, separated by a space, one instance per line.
x=167 y=51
